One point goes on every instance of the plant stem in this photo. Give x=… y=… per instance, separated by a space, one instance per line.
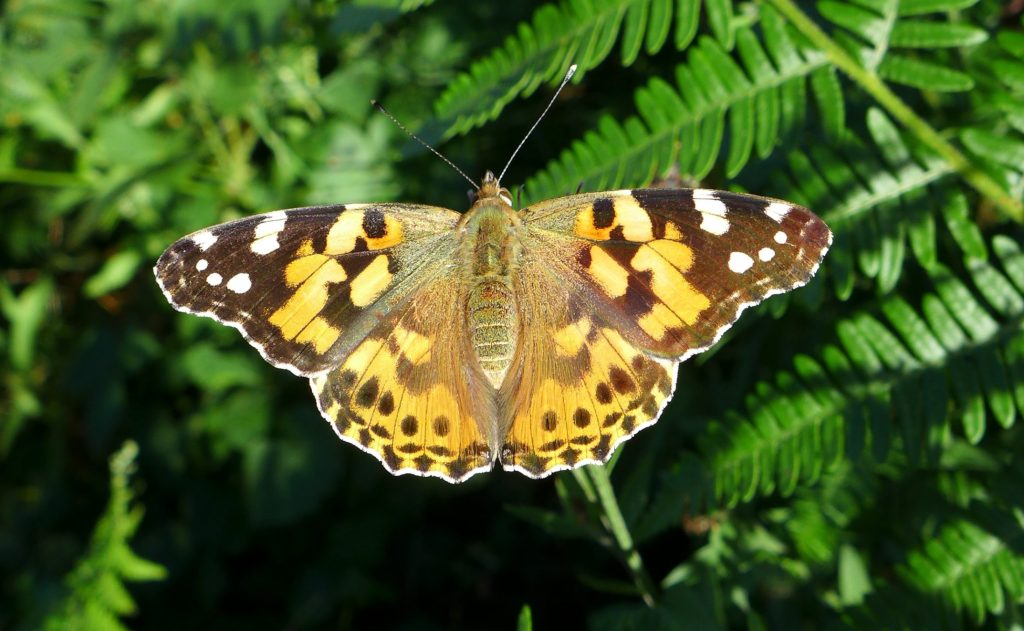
x=876 y=87
x=34 y=177
x=616 y=524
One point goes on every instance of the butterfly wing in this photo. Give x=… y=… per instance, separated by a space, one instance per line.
x=646 y=278
x=577 y=386
x=412 y=394
x=304 y=286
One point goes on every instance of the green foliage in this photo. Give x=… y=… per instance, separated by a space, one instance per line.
x=745 y=97
x=97 y=596
x=952 y=359
x=525 y=622
x=904 y=42
x=581 y=32
x=847 y=457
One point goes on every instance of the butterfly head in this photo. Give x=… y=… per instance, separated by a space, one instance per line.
x=490 y=188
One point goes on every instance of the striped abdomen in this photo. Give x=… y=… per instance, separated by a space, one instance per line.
x=493 y=327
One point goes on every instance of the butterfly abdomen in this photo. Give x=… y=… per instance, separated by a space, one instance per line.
x=492 y=252
x=493 y=327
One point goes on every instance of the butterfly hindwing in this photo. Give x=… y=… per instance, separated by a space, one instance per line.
x=304 y=285
x=411 y=392
x=580 y=387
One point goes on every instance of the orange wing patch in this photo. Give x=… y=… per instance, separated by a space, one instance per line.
x=404 y=396
x=679 y=303
x=319 y=278
x=298 y=319
x=616 y=217
x=362 y=226
x=575 y=405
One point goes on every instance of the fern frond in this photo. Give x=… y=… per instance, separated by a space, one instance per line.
x=574 y=31
x=881 y=198
x=866 y=37
x=822 y=514
x=892 y=606
x=757 y=96
x=973 y=569
x=886 y=39
x=998 y=141
x=97 y=596
x=895 y=379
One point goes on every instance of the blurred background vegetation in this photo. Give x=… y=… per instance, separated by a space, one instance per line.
x=846 y=457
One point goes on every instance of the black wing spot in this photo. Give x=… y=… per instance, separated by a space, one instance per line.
x=373 y=223
x=604 y=212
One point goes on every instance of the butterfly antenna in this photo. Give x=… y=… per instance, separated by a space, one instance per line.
x=437 y=153
x=568 y=75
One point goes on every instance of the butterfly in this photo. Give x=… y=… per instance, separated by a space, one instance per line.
x=541 y=338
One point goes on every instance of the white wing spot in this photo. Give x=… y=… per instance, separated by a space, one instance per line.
x=239 y=283
x=202 y=264
x=740 y=262
x=777 y=210
x=204 y=239
x=706 y=201
x=780 y=237
x=713 y=209
x=214 y=279
x=766 y=254
x=265 y=234
x=715 y=224
x=266 y=245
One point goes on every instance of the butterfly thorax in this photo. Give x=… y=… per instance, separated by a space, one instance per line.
x=491 y=255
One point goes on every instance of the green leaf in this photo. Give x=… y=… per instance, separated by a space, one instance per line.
x=996 y=289
x=40 y=107
x=25 y=314
x=687 y=21
x=920 y=7
x=1005 y=150
x=854 y=580
x=978 y=323
x=95 y=590
x=856 y=19
x=828 y=96
x=720 y=19
x=214 y=370
x=913 y=330
x=525 y=621
x=929 y=34
x=962 y=564
x=887 y=138
x=117 y=271
x=579 y=32
x=714 y=94
x=926 y=75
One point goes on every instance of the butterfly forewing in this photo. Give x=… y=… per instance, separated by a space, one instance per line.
x=675 y=267
x=305 y=285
